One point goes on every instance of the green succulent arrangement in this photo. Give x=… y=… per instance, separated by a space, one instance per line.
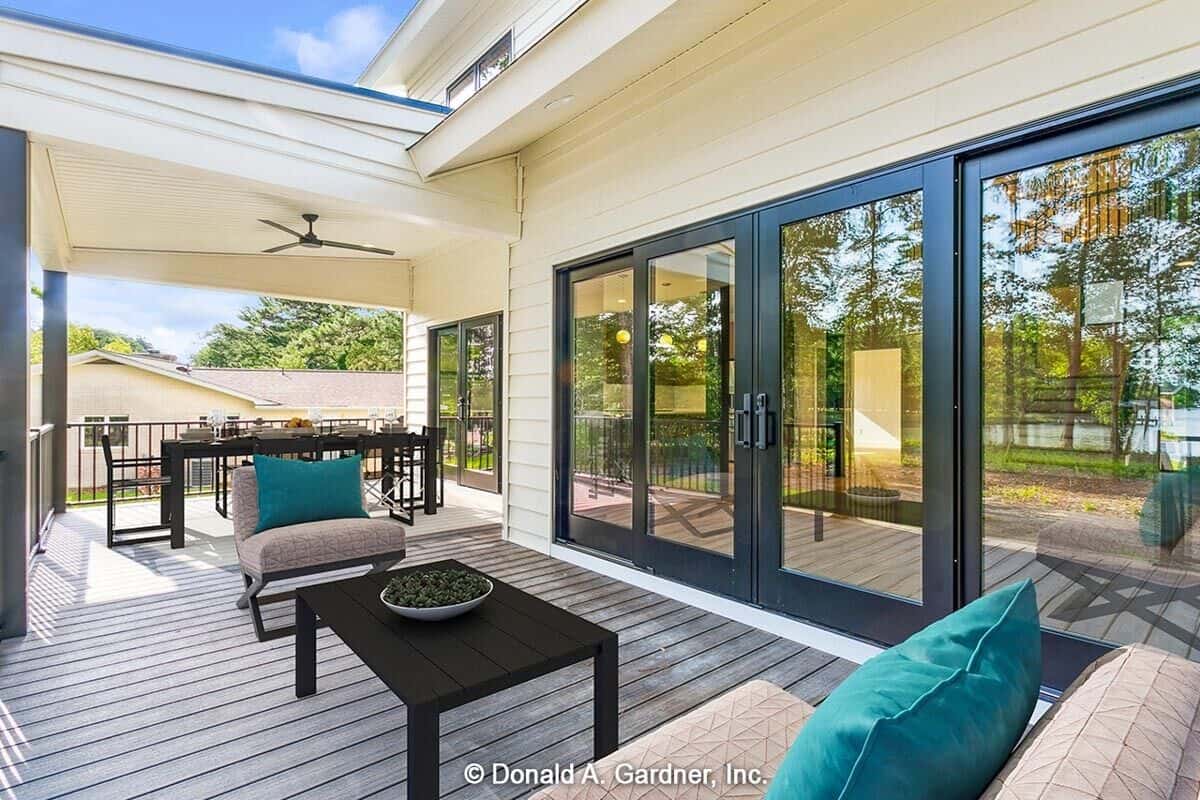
x=434 y=588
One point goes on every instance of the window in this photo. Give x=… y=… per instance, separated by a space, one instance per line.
x=489 y=65
x=95 y=429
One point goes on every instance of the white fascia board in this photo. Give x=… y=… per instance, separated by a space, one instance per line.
x=241 y=141
x=70 y=48
x=589 y=33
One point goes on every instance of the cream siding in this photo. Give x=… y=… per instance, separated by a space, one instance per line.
x=792 y=96
x=458 y=282
x=529 y=21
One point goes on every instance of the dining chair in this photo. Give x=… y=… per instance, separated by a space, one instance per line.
x=116 y=470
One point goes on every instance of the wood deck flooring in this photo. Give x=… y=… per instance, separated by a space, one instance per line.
x=141 y=679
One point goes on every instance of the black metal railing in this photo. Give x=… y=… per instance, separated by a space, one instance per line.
x=137 y=439
x=695 y=454
x=40 y=484
x=479 y=450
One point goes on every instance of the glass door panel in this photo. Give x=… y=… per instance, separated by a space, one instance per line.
x=466 y=400
x=448 y=407
x=481 y=399
x=599 y=425
x=696 y=496
x=851 y=432
x=855 y=325
x=1090 y=408
x=691 y=464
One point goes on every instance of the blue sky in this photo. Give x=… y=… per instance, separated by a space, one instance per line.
x=325 y=38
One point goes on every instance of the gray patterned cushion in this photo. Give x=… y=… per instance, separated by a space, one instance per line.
x=309 y=544
x=1127 y=729
x=750 y=727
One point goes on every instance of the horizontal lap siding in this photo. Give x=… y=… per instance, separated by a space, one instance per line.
x=791 y=96
x=456 y=282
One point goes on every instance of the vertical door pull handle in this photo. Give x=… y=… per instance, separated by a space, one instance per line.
x=766 y=433
x=742 y=435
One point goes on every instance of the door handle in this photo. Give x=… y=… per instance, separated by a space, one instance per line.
x=764 y=417
x=741 y=424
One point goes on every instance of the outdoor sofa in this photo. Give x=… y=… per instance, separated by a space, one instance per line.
x=1126 y=729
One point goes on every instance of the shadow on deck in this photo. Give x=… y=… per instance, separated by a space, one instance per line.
x=140 y=678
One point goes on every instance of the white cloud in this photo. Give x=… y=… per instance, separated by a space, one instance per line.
x=343 y=47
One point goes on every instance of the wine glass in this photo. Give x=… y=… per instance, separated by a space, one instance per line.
x=216 y=418
x=390 y=416
x=373 y=416
x=315 y=417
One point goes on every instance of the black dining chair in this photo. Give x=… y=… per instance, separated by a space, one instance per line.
x=434 y=460
x=118 y=481
x=394 y=488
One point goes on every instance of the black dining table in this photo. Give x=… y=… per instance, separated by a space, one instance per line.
x=177 y=452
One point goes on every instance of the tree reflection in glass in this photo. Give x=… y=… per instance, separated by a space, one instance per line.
x=1091 y=362
x=852 y=391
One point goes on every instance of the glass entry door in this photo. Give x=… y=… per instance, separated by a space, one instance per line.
x=465 y=399
x=855 y=376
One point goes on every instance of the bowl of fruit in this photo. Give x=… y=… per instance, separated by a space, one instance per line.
x=300 y=426
x=435 y=594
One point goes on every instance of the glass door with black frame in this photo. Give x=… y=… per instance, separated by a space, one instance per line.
x=851 y=535
x=1085 y=290
x=466 y=399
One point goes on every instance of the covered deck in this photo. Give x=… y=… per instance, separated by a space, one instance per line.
x=139 y=677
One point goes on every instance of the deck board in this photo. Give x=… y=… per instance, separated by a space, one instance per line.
x=142 y=679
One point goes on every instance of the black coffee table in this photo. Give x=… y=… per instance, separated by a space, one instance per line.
x=432 y=667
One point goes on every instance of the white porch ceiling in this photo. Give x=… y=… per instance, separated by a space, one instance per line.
x=110 y=205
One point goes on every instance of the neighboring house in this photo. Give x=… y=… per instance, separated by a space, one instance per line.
x=105 y=387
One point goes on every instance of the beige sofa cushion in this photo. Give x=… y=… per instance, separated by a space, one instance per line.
x=314 y=544
x=750 y=727
x=1126 y=729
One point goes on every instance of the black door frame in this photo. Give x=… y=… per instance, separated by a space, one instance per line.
x=605 y=537
x=1065 y=654
x=474 y=479
x=880 y=617
x=732 y=576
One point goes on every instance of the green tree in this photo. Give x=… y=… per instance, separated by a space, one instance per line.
x=118 y=345
x=80 y=339
x=293 y=334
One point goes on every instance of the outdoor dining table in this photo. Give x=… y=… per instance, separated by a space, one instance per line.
x=177 y=452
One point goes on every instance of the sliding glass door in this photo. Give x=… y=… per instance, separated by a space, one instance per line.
x=1084 y=299
x=465 y=399
x=854 y=513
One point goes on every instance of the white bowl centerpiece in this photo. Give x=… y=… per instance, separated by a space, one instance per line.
x=435 y=594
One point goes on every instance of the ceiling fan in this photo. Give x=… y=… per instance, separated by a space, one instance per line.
x=310 y=239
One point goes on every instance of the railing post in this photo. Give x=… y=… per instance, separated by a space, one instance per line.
x=14 y=380
x=54 y=380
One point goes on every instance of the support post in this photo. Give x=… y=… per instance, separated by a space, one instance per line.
x=54 y=380
x=14 y=380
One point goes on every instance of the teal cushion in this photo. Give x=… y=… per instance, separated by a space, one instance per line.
x=933 y=717
x=291 y=491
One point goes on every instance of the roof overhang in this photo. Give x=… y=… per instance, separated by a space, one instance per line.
x=427 y=27
x=594 y=53
x=210 y=132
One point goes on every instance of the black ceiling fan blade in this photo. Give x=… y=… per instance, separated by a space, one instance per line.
x=287 y=246
x=359 y=247
x=283 y=228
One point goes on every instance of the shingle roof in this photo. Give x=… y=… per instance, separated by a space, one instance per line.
x=301 y=388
